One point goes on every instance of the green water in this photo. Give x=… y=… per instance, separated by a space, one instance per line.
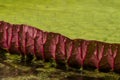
x=82 y=78
x=12 y=69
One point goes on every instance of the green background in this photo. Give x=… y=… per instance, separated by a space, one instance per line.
x=86 y=19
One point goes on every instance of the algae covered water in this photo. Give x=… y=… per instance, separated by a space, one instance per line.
x=12 y=69
x=82 y=78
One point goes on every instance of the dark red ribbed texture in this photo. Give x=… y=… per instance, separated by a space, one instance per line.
x=27 y=40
